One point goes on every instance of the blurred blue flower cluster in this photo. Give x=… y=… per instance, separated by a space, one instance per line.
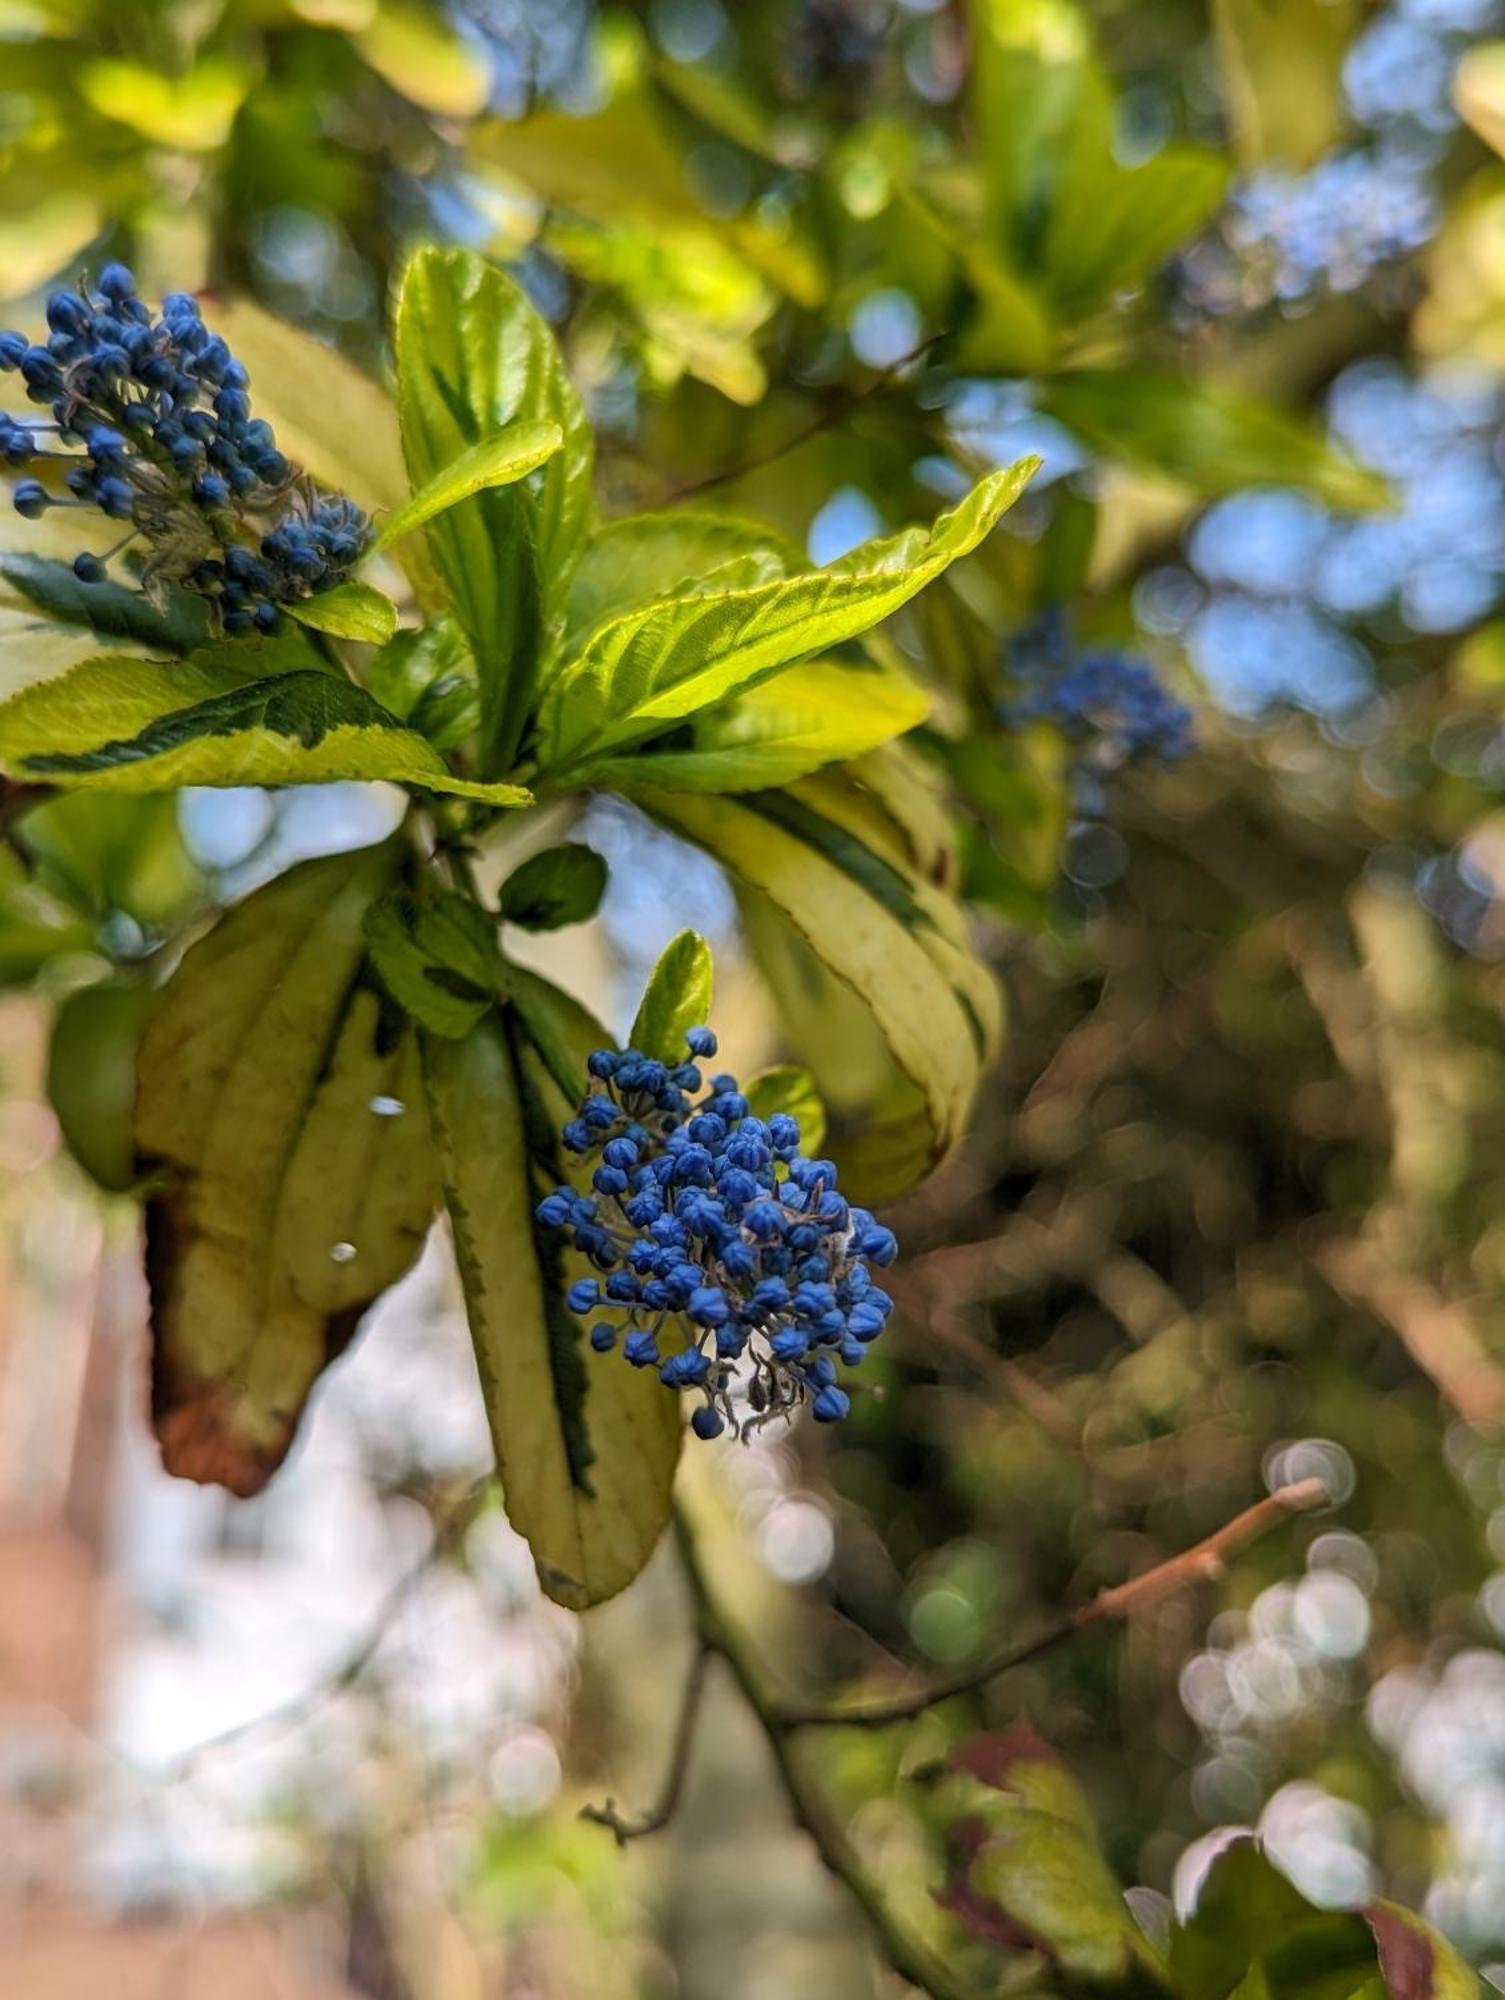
x=1109 y=700
x=154 y=425
x=710 y=1220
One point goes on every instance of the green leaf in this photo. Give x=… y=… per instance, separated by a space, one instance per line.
x=496 y=461
x=1112 y=226
x=473 y=358
x=130 y=725
x=109 y=609
x=436 y=954
x=585 y=1446
x=828 y=889
x=91 y=1077
x=1038 y=1873
x=792 y=1090
x=349 y=611
x=1247 y=1913
x=665 y=660
x=1415 y=1962
x=647 y=556
x=676 y=998
x=41 y=235
x=562 y=885
x=290 y=1192
x=427 y=679
x=824 y=712
x=1282 y=68
x=1207 y=437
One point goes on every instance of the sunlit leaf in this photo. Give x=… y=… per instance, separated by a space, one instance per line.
x=824 y=712
x=1282 y=68
x=496 y=461
x=473 y=358
x=894 y=941
x=791 y=1090
x=647 y=556
x=425 y=59
x=676 y=999
x=667 y=659
x=349 y=611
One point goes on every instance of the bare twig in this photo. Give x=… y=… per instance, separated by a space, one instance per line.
x=1195 y=1565
x=836 y=411
x=679 y=1761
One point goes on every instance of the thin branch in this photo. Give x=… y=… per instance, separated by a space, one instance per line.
x=679 y=1762
x=1201 y=1564
x=908 y=1954
x=284 y=1714
x=836 y=412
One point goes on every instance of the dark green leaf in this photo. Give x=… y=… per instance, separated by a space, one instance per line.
x=562 y=885
x=91 y=1077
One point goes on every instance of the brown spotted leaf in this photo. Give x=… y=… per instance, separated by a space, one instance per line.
x=281 y=1115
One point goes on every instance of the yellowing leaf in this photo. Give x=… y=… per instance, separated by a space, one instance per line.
x=1282 y=65
x=895 y=942
x=1479 y=91
x=290 y=1195
x=129 y=725
x=585 y=1445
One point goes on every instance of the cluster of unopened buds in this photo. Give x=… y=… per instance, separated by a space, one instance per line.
x=151 y=418
x=1111 y=700
x=719 y=1241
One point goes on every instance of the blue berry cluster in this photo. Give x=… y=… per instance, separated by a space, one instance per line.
x=711 y=1222
x=152 y=419
x=1109 y=699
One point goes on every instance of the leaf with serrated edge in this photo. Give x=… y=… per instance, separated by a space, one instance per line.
x=585 y=1446
x=130 y=725
x=646 y=556
x=665 y=660
x=285 y=1203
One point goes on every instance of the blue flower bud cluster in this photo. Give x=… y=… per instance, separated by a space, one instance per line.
x=1110 y=699
x=152 y=419
x=715 y=1234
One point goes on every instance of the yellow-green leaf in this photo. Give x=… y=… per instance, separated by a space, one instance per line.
x=824 y=712
x=1282 y=67
x=585 y=1446
x=436 y=954
x=130 y=725
x=473 y=358
x=1479 y=91
x=790 y=1089
x=676 y=999
x=642 y=557
x=349 y=611
x=496 y=461
x=663 y=661
x=282 y=1116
